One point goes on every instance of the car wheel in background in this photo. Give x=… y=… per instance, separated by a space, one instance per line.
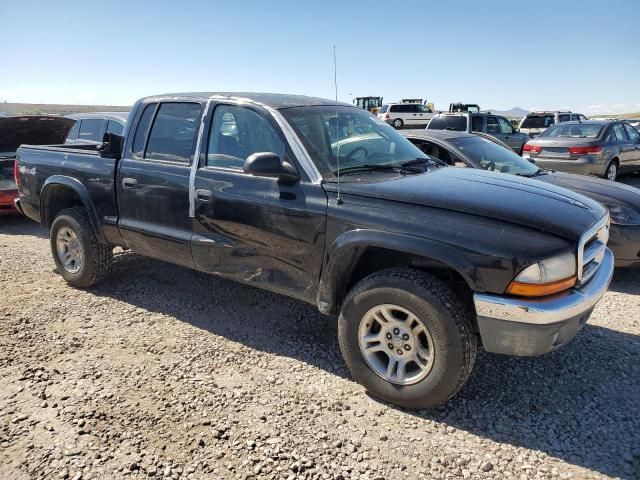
x=398 y=123
x=407 y=338
x=611 y=173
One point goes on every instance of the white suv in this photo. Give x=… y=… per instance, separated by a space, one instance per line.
x=399 y=115
x=537 y=122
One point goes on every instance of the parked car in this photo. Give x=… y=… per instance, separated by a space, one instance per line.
x=602 y=148
x=18 y=130
x=91 y=127
x=327 y=204
x=399 y=115
x=534 y=123
x=485 y=152
x=495 y=125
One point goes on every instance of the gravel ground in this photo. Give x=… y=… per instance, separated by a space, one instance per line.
x=162 y=372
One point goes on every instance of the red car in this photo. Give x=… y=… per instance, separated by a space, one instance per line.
x=29 y=130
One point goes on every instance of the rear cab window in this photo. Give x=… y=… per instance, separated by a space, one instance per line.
x=453 y=122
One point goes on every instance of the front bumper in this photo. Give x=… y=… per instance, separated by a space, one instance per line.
x=624 y=242
x=532 y=327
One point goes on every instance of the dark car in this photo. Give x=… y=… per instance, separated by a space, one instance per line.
x=474 y=151
x=24 y=129
x=91 y=127
x=595 y=147
x=486 y=122
x=328 y=204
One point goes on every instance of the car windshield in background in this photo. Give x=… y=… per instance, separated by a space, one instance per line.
x=538 y=121
x=355 y=137
x=456 y=122
x=573 y=130
x=493 y=157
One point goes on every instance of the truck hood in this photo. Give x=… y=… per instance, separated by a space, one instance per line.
x=32 y=130
x=508 y=198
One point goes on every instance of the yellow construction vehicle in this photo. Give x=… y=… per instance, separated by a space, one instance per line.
x=371 y=104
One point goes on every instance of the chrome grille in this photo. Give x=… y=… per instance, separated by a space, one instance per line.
x=591 y=250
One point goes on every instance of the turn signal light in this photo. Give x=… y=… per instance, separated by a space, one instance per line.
x=584 y=150
x=540 y=290
x=531 y=148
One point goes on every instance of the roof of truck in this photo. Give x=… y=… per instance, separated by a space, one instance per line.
x=273 y=100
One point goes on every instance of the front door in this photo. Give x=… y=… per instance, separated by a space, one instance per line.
x=626 y=146
x=634 y=136
x=256 y=230
x=153 y=181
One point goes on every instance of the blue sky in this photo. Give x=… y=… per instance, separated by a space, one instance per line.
x=583 y=55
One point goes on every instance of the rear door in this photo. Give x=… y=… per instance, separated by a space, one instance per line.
x=412 y=114
x=153 y=181
x=256 y=230
x=507 y=134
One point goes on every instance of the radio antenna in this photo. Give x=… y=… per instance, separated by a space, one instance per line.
x=335 y=84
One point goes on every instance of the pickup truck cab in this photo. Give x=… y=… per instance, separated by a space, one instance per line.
x=328 y=204
x=91 y=127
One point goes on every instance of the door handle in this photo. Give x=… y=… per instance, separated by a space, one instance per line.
x=129 y=183
x=204 y=196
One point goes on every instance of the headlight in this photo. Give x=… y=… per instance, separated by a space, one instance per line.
x=623 y=215
x=547 y=277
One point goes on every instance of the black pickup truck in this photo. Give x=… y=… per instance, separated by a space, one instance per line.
x=325 y=203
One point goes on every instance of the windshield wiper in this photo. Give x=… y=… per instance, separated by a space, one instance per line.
x=418 y=161
x=376 y=168
x=534 y=174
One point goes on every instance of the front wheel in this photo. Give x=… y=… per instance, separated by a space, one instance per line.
x=80 y=259
x=406 y=338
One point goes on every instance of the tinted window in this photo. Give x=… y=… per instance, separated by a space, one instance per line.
x=563 y=118
x=575 y=130
x=538 y=121
x=632 y=132
x=91 y=129
x=505 y=126
x=454 y=122
x=492 y=156
x=174 y=132
x=73 y=133
x=492 y=125
x=423 y=109
x=412 y=108
x=237 y=133
x=141 y=131
x=476 y=123
x=618 y=134
x=115 y=127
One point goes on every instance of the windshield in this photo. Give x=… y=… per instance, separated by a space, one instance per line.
x=538 y=121
x=453 y=122
x=354 y=138
x=575 y=130
x=493 y=157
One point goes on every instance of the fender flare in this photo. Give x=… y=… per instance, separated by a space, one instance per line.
x=76 y=186
x=344 y=253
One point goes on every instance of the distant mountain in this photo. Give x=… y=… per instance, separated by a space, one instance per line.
x=515 y=112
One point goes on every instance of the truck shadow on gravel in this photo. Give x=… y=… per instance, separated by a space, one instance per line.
x=578 y=404
x=19 y=225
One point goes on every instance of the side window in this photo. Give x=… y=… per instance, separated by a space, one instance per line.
x=476 y=123
x=140 y=138
x=412 y=108
x=423 y=109
x=492 y=125
x=632 y=132
x=90 y=129
x=394 y=108
x=575 y=118
x=73 y=133
x=618 y=134
x=174 y=131
x=115 y=127
x=505 y=126
x=237 y=133
x=563 y=118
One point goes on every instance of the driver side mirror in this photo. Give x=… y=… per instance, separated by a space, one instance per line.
x=111 y=146
x=268 y=164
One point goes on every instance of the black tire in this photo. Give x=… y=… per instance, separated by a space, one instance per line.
x=611 y=173
x=97 y=257
x=397 y=123
x=442 y=312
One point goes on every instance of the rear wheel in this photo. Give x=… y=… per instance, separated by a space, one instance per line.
x=406 y=338
x=81 y=260
x=398 y=123
x=611 y=173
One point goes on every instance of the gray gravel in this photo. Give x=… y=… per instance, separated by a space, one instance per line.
x=165 y=373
